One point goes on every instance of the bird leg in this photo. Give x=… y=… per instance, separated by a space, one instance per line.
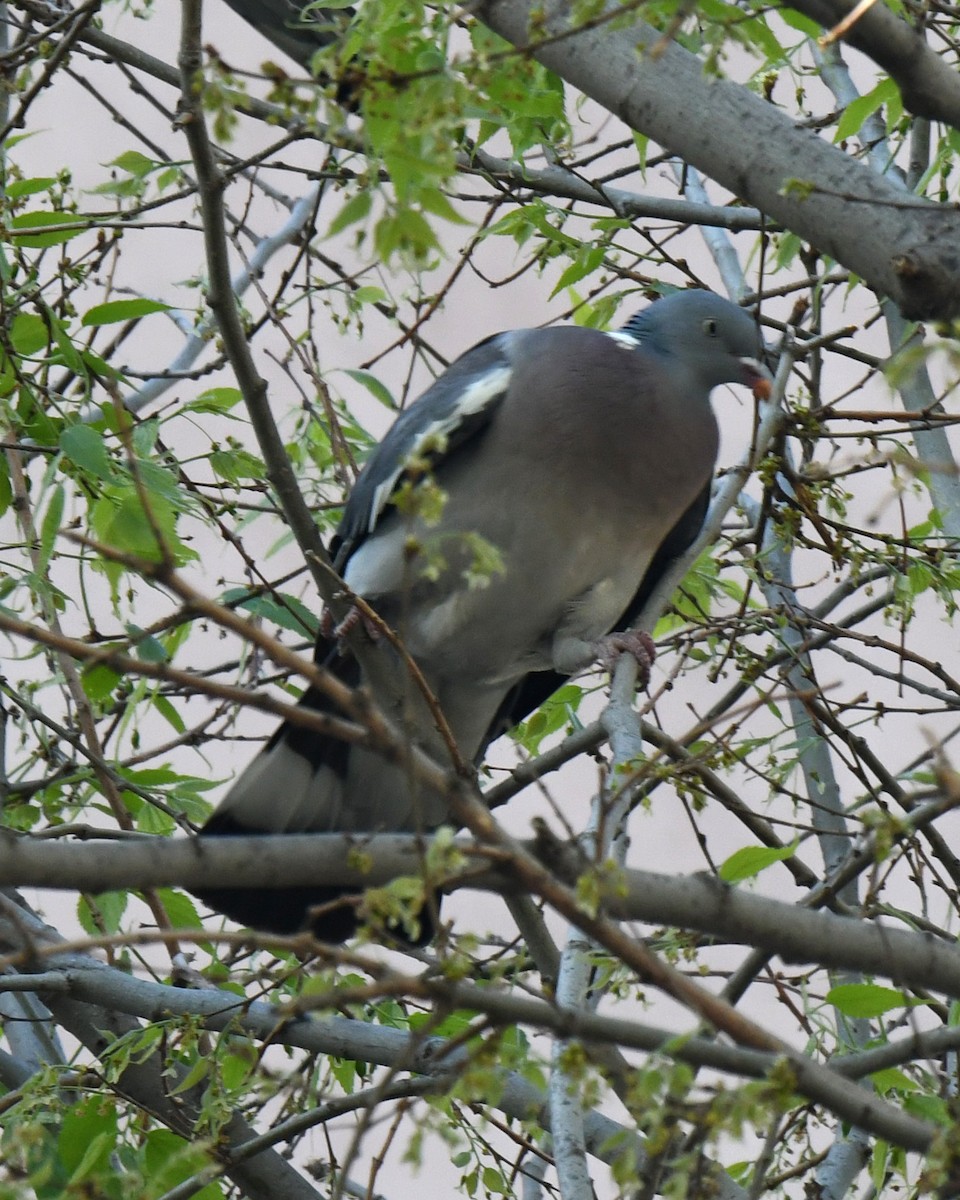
x=637 y=642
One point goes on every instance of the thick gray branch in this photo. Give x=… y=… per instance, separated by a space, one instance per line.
x=113 y=991
x=434 y=1056
x=901 y=246
x=558 y=180
x=929 y=85
x=109 y=998
x=697 y=902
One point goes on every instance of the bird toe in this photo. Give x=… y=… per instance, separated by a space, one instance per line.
x=635 y=642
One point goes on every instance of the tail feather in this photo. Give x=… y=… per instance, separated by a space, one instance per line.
x=285 y=910
x=305 y=782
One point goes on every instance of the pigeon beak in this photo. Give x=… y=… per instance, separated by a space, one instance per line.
x=757 y=376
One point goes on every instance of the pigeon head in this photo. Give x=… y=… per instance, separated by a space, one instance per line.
x=710 y=339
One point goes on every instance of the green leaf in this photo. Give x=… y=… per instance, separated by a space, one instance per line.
x=788 y=247
x=24 y=229
x=51 y=525
x=406 y=233
x=237 y=465
x=369 y=294
x=91 y=1122
x=434 y=201
x=555 y=713
x=169 y=713
x=454 y=1024
x=892 y=1079
x=283 y=610
x=122 y=310
x=134 y=163
x=96 y=1153
x=30 y=187
x=164 y=485
x=180 y=908
x=866 y=999
x=151 y=819
x=99 y=681
x=215 y=400
x=932 y=1109
x=587 y=260
x=125 y=188
x=169 y=1160
x=197 y=1073
x=118 y=519
x=29 y=334
x=356 y=209
x=71 y=355
x=809 y=29
x=749 y=861
x=145 y=438
x=6 y=490
x=102 y=912
x=857 y=111
x=518 y=224
x=494 y=1182
x=99 y=366
x=642 y=144
x=147 y=648
x=798 y=189
x=150 y=777
x=596 y=315
x=86 y=449
x=375 y=387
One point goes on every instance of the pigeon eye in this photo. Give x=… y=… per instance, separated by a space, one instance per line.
x=710 y=327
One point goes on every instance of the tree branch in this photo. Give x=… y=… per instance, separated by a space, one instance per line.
x=223 y=302
x=748 y=146
x=929 y=85
x=154 y=1083
x=90 y=982
x=100 y=992
x=697 y=902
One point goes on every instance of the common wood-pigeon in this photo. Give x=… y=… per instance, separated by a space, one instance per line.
x=586 y=459
x=294 y=26
x=300 y=29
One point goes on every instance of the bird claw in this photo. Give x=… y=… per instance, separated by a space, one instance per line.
x=336 y=632
x=636 y=642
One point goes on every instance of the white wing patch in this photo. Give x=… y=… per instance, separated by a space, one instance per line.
x=625 y=339
x=472 y=400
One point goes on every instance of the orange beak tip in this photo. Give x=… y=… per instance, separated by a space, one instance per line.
x=762 y=389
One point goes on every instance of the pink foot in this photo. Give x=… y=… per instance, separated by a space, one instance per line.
x=336 y=632
x=637 y=642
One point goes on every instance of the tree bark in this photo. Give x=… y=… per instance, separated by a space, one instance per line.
x=903 y=247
